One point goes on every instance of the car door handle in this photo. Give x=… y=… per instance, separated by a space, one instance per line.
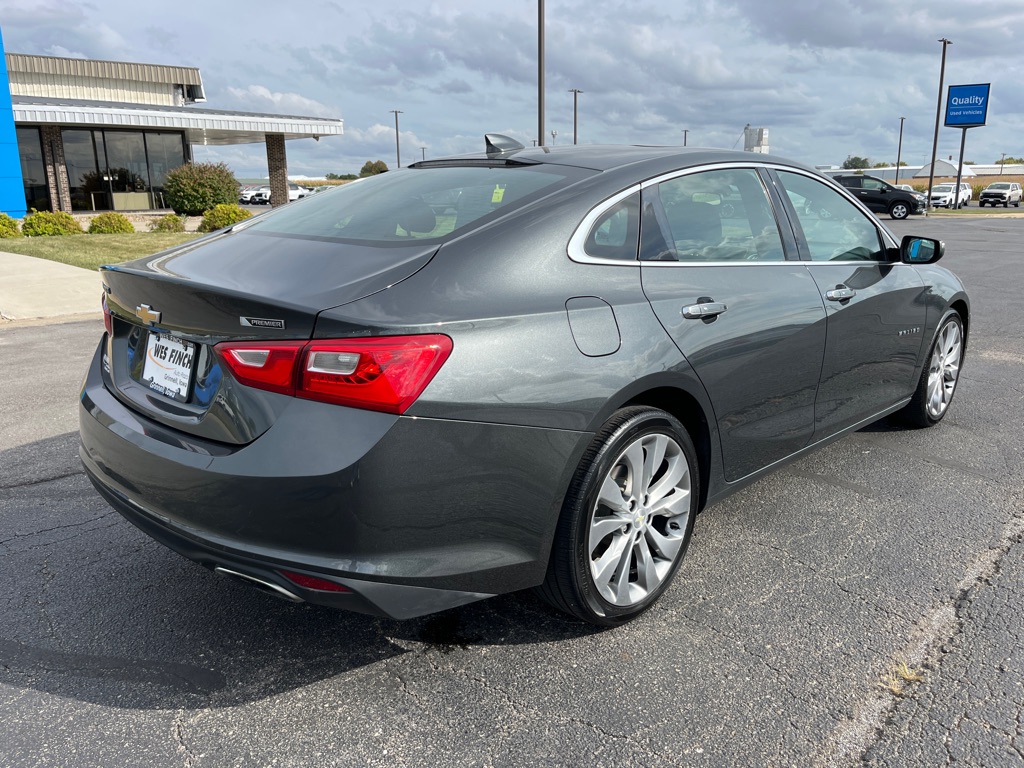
x=707 y=309
x=840 y=293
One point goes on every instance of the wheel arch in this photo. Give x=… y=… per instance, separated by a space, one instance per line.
x=960 y=307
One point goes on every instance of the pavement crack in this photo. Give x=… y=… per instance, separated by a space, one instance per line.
x=889 y=611
x=41 y=481
x=189 y=758
x=41 y=531
x=931 y=638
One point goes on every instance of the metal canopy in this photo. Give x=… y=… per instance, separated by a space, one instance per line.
x=202 y=126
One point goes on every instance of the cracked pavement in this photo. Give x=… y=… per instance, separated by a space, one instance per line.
x=798 y=596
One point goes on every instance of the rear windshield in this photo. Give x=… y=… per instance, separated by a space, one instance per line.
x=415 y=204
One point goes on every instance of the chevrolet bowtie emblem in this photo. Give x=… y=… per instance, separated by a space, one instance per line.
x=146 y=314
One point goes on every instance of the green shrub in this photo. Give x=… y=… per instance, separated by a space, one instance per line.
x=50 y=223
x=169 y=223
x=194 y=188
x=111 y=223
x=8 y=226
x=223 y=215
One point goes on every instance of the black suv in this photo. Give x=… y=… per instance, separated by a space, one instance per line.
x=882 y=197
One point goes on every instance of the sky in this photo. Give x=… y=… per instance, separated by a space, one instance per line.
x=827 y=78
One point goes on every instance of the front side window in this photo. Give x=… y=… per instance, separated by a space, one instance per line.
x=874 y=184
x=834 y=228
x=720 y=215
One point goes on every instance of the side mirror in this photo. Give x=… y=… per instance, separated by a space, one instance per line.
x=921 y=250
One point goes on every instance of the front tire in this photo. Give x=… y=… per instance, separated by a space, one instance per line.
x=939 y=378
x=899 y=210
x=627 y=519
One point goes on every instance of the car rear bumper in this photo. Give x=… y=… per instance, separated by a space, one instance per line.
x=412 y=515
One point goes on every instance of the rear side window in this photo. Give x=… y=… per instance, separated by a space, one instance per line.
x=721 y=215
x=616 y=234
x=416 y=204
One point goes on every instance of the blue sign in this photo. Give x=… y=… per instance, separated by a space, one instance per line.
x=12 y=187
x=967 y=105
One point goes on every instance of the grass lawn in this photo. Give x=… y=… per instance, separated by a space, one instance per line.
x=93 y=251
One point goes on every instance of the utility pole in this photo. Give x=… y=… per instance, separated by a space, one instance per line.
x=575 y=113
x=686 y=132
x=938 y=115
x=1002 y=162
x=398 y=150
x=899 y=150
x=423 y=150
x=540 y=72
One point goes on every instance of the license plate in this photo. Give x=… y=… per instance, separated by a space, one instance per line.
x=168 y=366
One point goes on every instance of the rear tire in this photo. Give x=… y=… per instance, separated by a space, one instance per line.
x=937 y=385
x=626 y=521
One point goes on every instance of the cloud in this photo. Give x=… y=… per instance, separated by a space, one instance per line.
x=259 y=98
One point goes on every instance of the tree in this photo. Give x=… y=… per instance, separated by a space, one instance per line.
x=194 y=188
x=372 y=168
x=853 y=162
x=341 y=176
x=1010 y=161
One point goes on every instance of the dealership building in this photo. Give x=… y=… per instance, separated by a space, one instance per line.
x=88 y=135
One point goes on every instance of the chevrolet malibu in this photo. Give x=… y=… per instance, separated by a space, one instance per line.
x=526 y=368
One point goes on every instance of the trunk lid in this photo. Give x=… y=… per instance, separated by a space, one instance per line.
x=169 y=310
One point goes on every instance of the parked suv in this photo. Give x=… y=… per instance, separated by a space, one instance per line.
x=943 y=196
x=1001 y=192
x=881 y=196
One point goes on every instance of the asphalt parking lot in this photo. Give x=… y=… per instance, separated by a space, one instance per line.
x=775 y=646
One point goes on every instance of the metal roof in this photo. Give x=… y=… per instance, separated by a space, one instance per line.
x=117 y=70
x=202 y=126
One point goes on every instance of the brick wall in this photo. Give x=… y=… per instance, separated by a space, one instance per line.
x=277 y=164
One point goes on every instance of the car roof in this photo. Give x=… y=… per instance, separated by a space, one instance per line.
x=606 y=157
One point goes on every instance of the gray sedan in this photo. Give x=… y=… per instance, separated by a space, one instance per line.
x=526 y=368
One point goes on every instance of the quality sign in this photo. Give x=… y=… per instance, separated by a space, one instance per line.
x=967 y=105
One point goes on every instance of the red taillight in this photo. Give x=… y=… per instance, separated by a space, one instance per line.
x=312 y=582
x=381 y=374
x=266 y=365
x=108 y=319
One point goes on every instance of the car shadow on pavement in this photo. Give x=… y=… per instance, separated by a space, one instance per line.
x=96 y=611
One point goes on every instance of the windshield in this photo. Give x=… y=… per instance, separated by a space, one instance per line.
x=999 y=186
x=416 y=204
x=943 y=188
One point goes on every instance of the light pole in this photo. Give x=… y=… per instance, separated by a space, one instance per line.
x=938 y=114
x=553 y=134
x=1002 y=162
x=398 y=150
x=540 y=72
x=686 y=132
x=899 y=150
x=575 y=113
x=423 y=151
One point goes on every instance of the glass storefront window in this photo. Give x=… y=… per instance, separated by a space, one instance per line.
x=165 y=151
x=33 y=169
x=88 y=188
x=120 y=170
